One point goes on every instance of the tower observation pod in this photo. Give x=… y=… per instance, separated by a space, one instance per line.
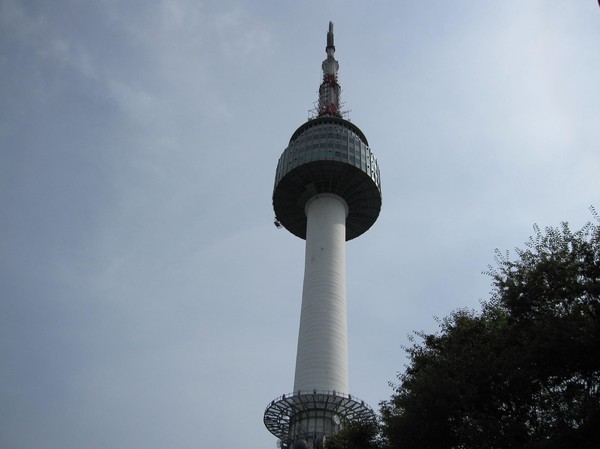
x=327 y=191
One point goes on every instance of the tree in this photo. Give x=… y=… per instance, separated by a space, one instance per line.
x=355 y=435
x=524 y=372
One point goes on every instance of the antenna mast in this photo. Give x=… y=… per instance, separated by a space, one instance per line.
x=329 y=91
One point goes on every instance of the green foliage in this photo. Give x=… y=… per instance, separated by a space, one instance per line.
x=355 y=435
x=522 y=373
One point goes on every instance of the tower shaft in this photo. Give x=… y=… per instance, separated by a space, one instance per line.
x=322 y=356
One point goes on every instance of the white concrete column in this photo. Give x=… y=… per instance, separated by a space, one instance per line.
x=322 y=357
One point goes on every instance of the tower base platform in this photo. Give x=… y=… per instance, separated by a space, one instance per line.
x=303 y=420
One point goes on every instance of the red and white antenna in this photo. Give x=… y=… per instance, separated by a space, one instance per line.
x=329 y=91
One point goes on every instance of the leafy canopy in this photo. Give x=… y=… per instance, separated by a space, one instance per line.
x=524 y=372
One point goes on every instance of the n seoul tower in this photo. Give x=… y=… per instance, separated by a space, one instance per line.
x=327 y=191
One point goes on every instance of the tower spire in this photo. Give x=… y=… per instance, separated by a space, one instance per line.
x=330 y=38
x=329 y=91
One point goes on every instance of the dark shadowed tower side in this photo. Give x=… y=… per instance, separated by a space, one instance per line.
x=327 y=191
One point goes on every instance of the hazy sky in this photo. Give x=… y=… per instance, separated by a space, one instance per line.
x=146 y=298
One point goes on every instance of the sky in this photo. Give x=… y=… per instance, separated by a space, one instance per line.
x=147 y=299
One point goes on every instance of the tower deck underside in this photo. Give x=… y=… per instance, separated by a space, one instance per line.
x=328 y=155
x=310 y=416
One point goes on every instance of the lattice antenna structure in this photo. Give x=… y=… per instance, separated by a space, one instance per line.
x=330 y=90
x=329 y=99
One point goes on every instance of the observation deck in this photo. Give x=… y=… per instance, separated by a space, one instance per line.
x=327 y=154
